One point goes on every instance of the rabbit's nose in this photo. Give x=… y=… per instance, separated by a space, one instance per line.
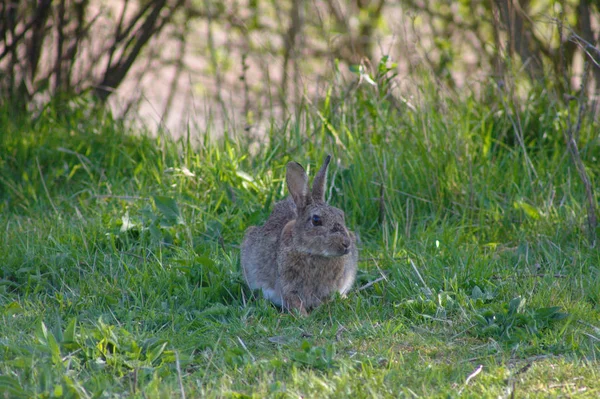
x=346 y=244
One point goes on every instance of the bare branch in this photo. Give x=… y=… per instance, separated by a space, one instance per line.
x=152 y=25
x=59 y=46
x=571 y=134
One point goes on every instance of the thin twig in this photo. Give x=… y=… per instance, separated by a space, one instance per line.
x=179 y=375
x=382 y=195
x=44 y=185
x=369 y=284
x=405 y=193
x=593 y=327
x=592 y=52
x=338 y=333
x=246 y=348
x=122 y=197
x=179 y=68
x=470 y=377
x=372 y=258
x=571 y=134
x=591 y=336
x=419 y=275
x=557 y=275
x=215 y=63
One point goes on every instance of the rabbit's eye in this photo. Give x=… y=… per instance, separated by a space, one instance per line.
x=316 y=220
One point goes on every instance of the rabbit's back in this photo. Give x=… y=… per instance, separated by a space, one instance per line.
x=260 y=247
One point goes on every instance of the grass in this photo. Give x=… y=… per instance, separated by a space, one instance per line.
x=120 y=262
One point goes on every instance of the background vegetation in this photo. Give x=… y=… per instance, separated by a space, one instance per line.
x=165 y=56
x=473 y=198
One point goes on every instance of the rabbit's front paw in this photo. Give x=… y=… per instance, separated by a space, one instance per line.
x=294 y=302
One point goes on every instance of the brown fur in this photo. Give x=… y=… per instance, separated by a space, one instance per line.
x=303 y=253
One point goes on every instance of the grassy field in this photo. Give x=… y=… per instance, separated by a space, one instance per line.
x=120 y=270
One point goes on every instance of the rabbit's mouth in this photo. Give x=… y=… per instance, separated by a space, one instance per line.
x=336 y=252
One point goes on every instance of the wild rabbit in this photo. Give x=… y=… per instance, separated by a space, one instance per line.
x=304 y=252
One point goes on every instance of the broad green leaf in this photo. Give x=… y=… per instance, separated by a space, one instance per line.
x=54 y=348
x=12 y=308
x=368 y=79
x=515 y=305
x=167 y=206
x=41 y=333
x=476 y=293
x=528 y=209
x=204 y=260
x=156 y=350
x=244 y=176
x=69 y=334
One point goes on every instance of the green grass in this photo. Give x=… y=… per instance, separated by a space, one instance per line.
x=120 y=261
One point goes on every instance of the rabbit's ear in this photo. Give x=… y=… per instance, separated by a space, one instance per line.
x=318 y=188
x=297 y=182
